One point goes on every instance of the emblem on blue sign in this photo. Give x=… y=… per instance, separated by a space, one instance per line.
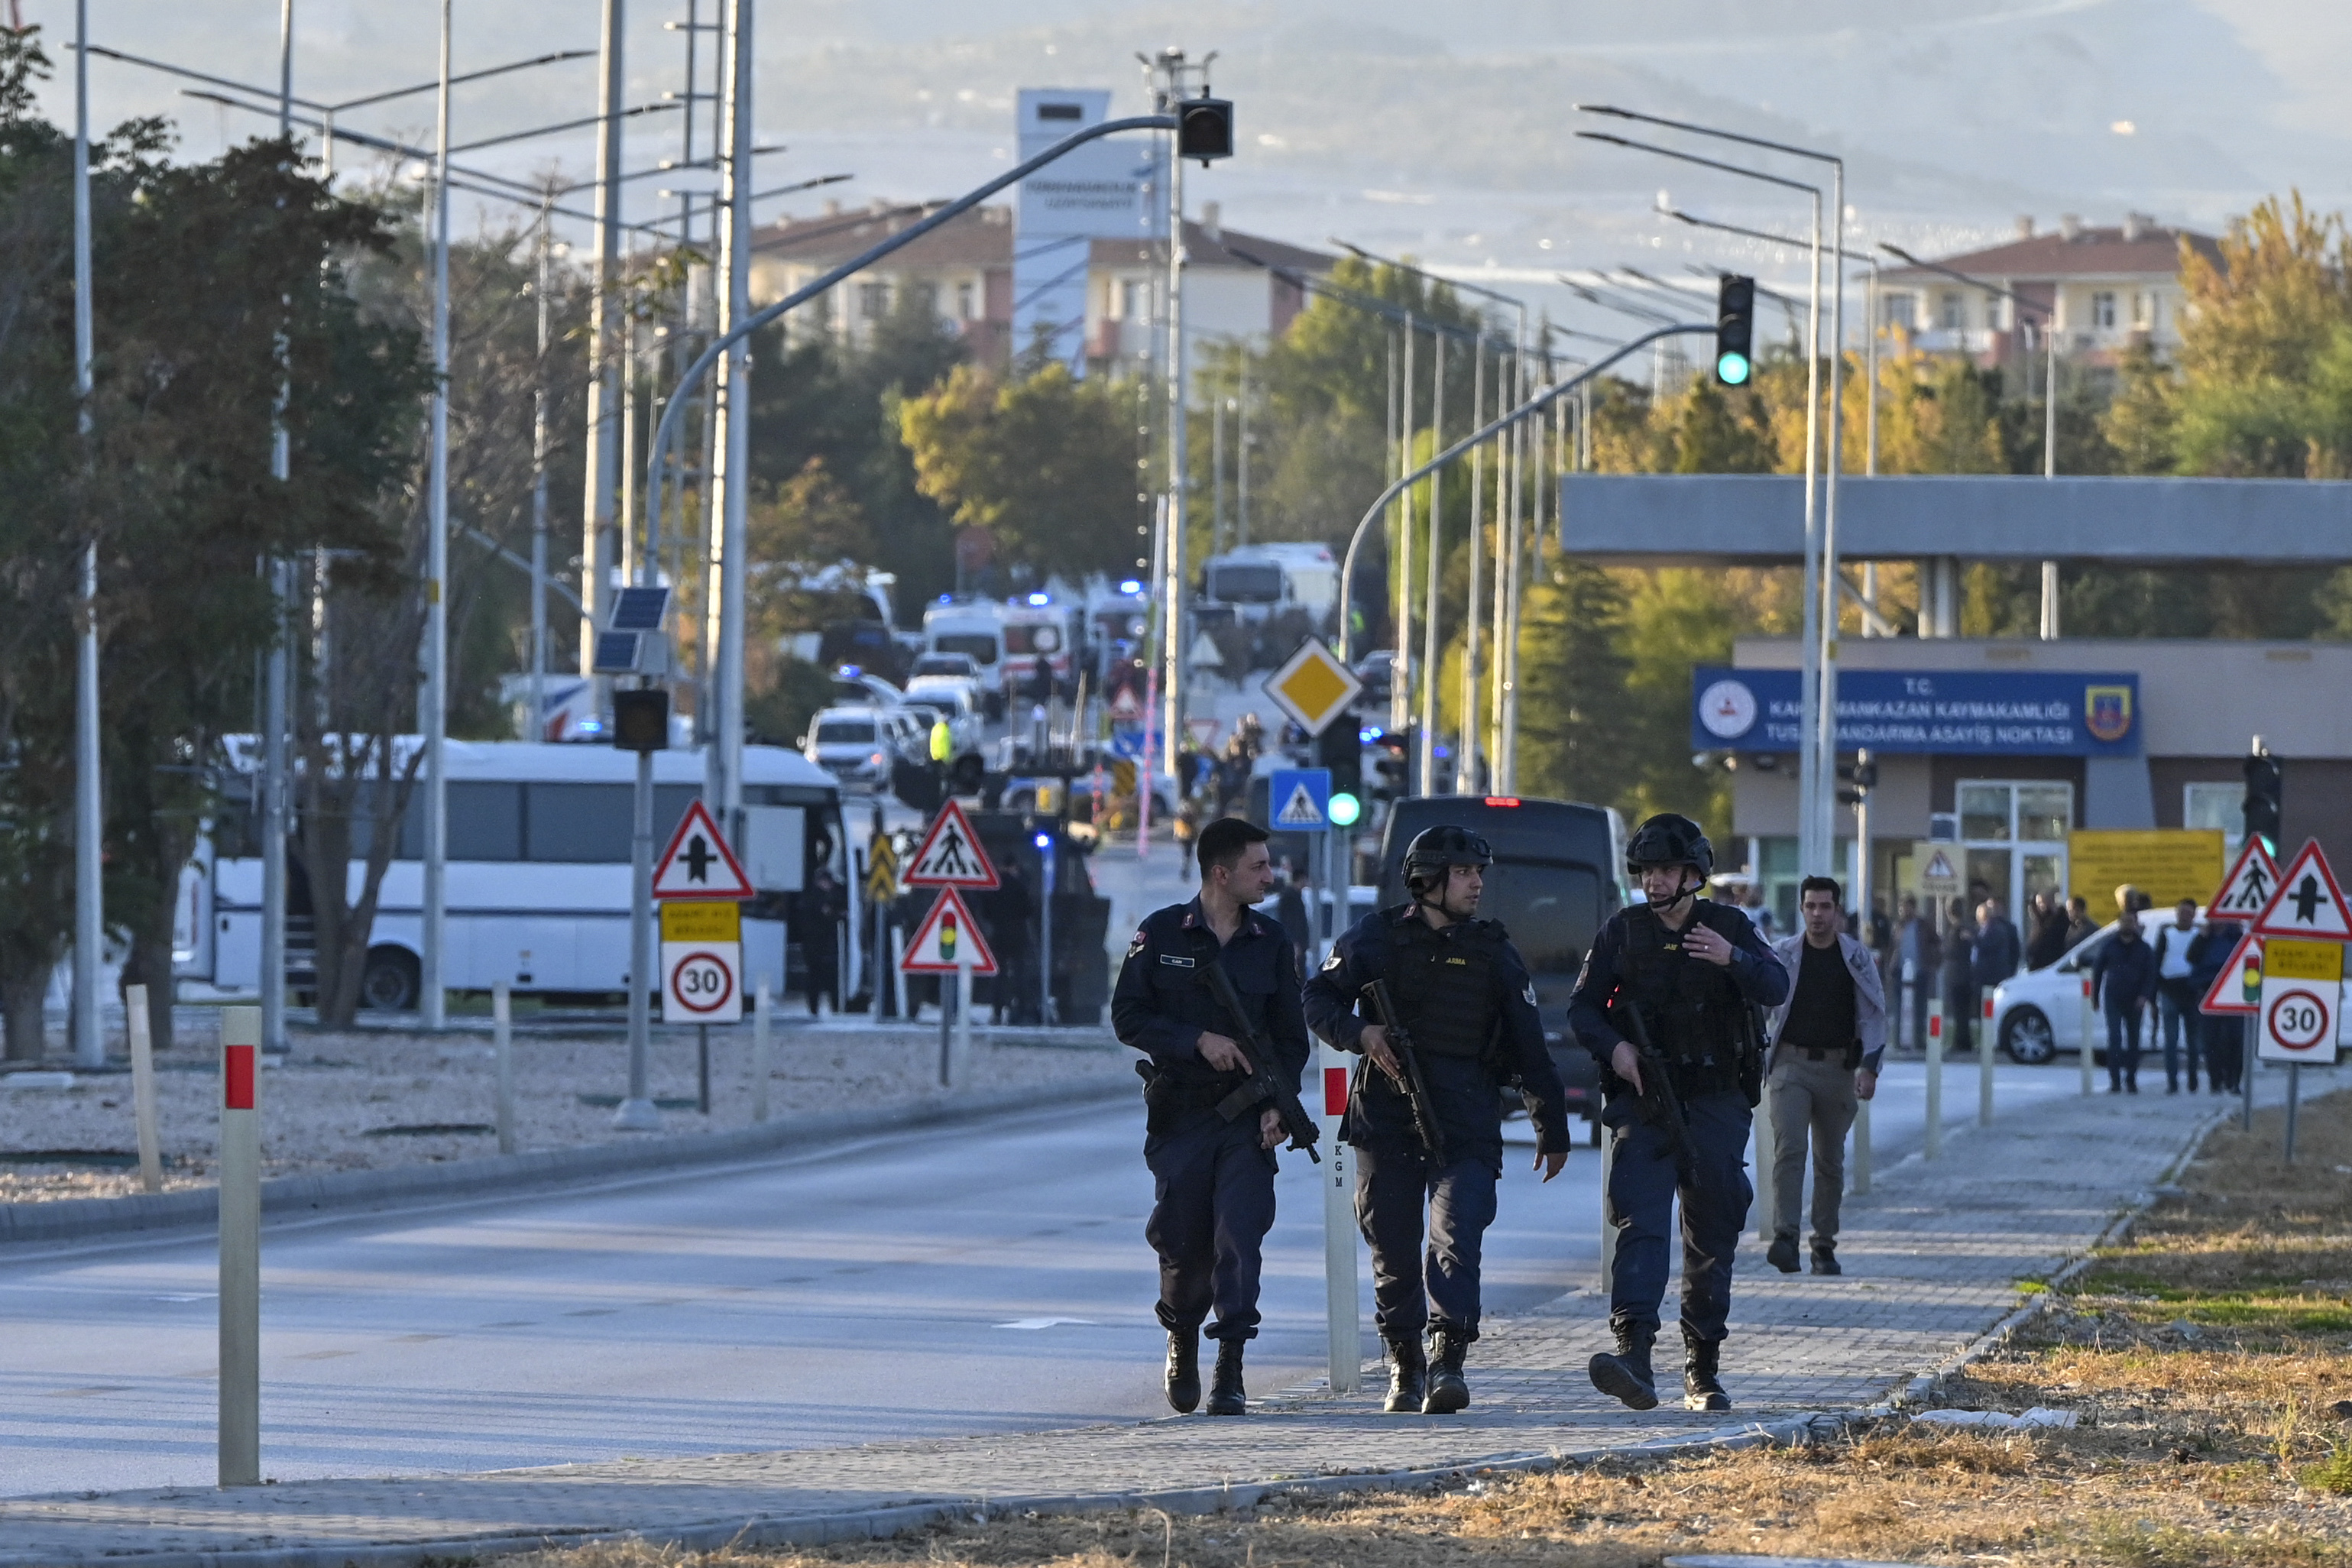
x=2108 y=711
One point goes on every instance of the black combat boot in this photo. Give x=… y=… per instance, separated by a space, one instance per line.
x=1447 y=1391
x=1183 y=1370
x=1626 y=1376
x=1227 y=1396
x=1825 y=1258
x=1702 y=1389
x=1782 y=1253
x=1408 y=1375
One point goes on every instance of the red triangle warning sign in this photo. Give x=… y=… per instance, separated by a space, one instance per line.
x=698 y=864
x=947 y=932
x=2246 y=890
x=2308 y=903
x=2239 y=987
x=950 y=855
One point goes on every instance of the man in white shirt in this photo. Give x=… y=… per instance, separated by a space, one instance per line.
x=2177 y=996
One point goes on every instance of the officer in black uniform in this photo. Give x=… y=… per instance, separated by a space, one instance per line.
x=1212 y=1174
x=1463 y=998
x=1695 y=971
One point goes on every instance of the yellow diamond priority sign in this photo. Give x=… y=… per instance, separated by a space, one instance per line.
x=1313 y=687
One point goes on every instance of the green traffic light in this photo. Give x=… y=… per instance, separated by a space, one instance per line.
x=1344 y=810
x=1732 y=370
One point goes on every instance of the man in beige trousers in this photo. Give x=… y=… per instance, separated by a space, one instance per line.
x=1827 y=1041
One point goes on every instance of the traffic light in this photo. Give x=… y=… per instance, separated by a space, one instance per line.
x=641 y=718
x=1204 y=129
x=1341 y=748
x=1735 y=329
x=2264 y=781
x=1392 y=765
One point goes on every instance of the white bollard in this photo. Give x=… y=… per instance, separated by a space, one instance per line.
x=240 y=1247
x=961 y=1072
x=1341 y=1306
x=1935 y=1146
x=1986 y=1047
x=1608 y=1220
x=142 y=1088
x=2090 y=1034
x=899 y=975
x=760 y=1065
x=502 y=1051
x=1767 y=1149
x=1857 y=1163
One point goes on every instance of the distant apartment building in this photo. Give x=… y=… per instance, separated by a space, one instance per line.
x=962 y=272
x=2112 y=288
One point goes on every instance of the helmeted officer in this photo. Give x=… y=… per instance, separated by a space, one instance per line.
x=1693 y=970
x=1211 y=1158
x=1463 y=999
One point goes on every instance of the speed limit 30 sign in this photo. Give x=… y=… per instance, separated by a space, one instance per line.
x=701 y=963
x=2302 y=988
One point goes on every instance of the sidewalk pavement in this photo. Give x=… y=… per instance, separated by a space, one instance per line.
x=1935 y=1256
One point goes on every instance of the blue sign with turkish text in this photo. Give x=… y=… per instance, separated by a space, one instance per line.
x=1983 y=713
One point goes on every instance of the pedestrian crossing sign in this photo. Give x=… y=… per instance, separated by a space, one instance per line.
x=1299 y=799
x=950 y=855
x=2246 y=890
x=2306 y=903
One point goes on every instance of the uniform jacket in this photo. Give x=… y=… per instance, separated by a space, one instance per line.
x=1467 y=1092
x=1758 y=973
x=1161 y=1006
x=1869 y=995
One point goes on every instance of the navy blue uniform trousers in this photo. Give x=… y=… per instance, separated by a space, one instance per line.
x=1392 y=1187
x=1642 y=1187
x=1211 y=1204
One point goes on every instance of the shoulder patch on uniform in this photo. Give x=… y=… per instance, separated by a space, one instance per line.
x=1173 y=961
x=1137 y=945
x=1531 y=994
x=1334 y=961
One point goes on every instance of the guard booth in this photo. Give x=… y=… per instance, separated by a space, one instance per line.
x=1081 y=966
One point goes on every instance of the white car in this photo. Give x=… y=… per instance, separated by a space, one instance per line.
x=857 y=745
x=957 y=695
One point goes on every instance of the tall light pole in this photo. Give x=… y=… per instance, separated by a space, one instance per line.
x=1170 y=75
x=90 y=816
x=434 y=720
x=723 y=763
x=2049 y=396
x=276 y=674
x=602 y=458
x=1817 y=686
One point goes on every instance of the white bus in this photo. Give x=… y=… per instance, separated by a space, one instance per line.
x=538 y=878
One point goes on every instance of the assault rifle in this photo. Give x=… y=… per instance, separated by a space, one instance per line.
x=1415 y=1086
x=1263 y=1084
x=1657 y=1105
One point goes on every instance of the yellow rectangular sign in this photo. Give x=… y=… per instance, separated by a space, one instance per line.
x=2167 y=864
x=2283 y=959
x=702 y=919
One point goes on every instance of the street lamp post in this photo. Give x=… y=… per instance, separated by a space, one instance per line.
x=434 y=720
x=1821 y=600
x=2049 y=398
x=90 y=816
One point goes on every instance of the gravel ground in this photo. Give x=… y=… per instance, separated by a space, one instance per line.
x=340 y=1101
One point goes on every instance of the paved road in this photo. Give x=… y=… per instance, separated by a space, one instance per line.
x=905 y=1286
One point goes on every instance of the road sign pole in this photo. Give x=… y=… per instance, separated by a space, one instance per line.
x=637 y=1112
x=502 y=1050
x=240 y=1249
x=142 y=1088
x=1935 y=1145
x=962 y=1072
x=702 y=1067
x=1342 y=1307
x=2249 y=1045
x=2293 y=1097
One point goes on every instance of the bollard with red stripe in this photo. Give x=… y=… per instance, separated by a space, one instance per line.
x=1338 y=1175
x=240 y=1247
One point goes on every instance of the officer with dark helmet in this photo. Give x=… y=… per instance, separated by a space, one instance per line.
x=1465 y=1004
x=1671 y=985
x=1208 y=1138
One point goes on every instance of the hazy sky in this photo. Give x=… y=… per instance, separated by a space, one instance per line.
x=1370 y=121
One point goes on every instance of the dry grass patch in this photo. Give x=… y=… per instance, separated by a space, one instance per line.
x=2209 y=1364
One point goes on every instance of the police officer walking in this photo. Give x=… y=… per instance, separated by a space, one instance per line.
x=1208 y=1141
x=1466 y=1010
x=1665 y=1005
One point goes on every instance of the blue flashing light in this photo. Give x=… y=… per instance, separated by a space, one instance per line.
x=1043 y=841
x=1130 y=586
x=849 y=672
x=1443 y=750
x=591 y=726
x=947 y=598
x=1370 y=735
x=1041 y=598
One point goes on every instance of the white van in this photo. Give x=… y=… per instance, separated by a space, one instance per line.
x=973 y=627
x=1258 y=581
x=538 y=873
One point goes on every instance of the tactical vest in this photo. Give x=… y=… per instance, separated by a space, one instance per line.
x=1444 y=982
x=1695 y=1014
